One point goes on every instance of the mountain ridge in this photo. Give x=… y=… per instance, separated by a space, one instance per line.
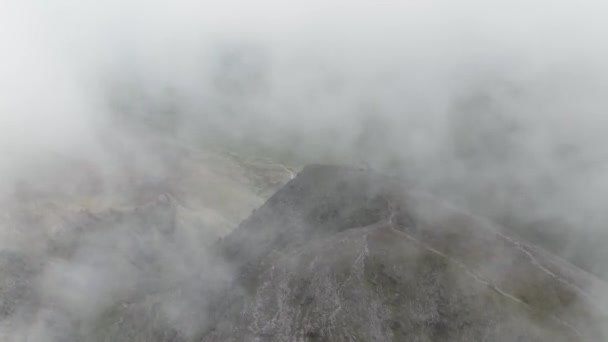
x=546 y=295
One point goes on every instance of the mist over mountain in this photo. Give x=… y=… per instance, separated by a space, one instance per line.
x=135 y=134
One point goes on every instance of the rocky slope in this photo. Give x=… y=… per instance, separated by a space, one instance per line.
x=341 y=254
x=336 y=254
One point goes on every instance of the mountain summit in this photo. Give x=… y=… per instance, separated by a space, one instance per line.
x=344 y=254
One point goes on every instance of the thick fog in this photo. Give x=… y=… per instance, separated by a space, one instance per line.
x=498 y=106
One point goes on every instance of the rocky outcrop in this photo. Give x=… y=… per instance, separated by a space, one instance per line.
x=341 y=254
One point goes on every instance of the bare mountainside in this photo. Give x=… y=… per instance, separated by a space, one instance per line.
x=341 y=254
x=336 y=254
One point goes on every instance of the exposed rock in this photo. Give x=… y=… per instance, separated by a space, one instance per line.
x=341 y=254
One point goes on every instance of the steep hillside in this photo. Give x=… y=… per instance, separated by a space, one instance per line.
x=341 y=254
